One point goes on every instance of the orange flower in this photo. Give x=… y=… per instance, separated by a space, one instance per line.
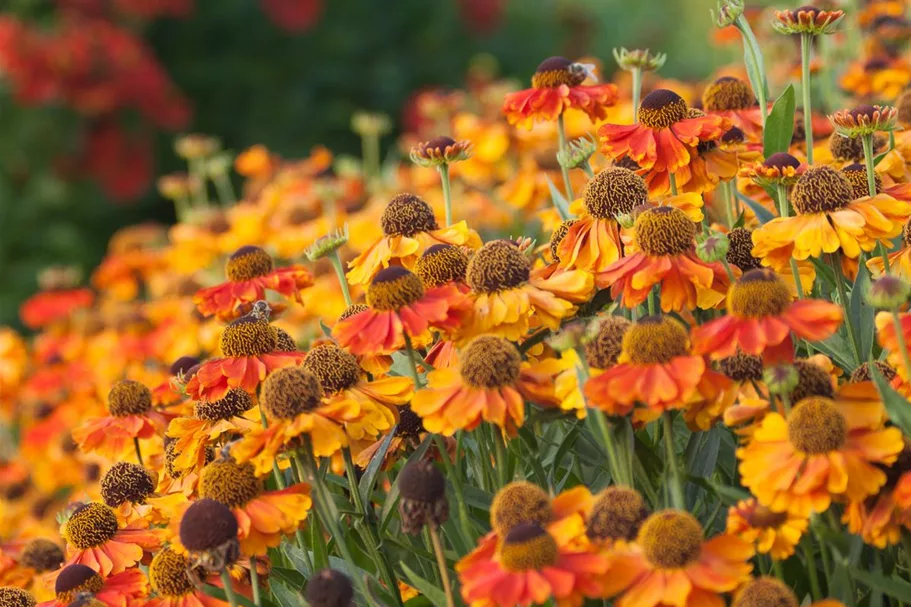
x=661 y=140
x=656 y=373
x=823 y=449
x=169 y=579
x=399 y=306
x=665 y=238
x=121 y=589
x=506 y=294
x=767 y=590
x=885 y=335
x=881 y=519
x=774 y=533
x=131 y=418
x=252 y=350
x=671 y=563
x=409 y=228
x=490 y=383
x=94 y=538
x=761 y=317
x=899 y=261
x=556 y=87
x=732 y=98
x=251 y=273
x=48 y=307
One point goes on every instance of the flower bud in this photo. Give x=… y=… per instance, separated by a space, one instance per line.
x=578 y=152
x=639 y=59
x=713 y=247
x=781 y=379
x=889 y=293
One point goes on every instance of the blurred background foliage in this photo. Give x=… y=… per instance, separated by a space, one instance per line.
x=285 y=73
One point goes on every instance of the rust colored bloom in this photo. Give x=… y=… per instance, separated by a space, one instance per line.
x=94 y=538
x=665 y=237
x=732 y=98
x=774 y=533
x=780 y=168
x=864 y=120
x=824 y=449
x=439 y=151
x=48 y=307
x=881 y=519
x=399 y=305
x=656 y=372
x=807 y=20
x=761 y=317
x=123 y=588
x=662 y=140
x=251 y=273
x=557 y=86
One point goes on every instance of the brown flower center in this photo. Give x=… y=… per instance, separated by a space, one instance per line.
x=742 y=367
x=671 y=539
x=655 y=340
x=168 y=574
x=614 y=191
x=557 y=237
x=230 y=483
x=406 y=215
x=554 y=71
x=247 y=263
x=765 y=518
x=617 y=514
x=232 y=404
x=248 y=336
x=759 y=293
x=604 y=349
x=857 y=175
x=496 y=266
x=335 y=369
x=812 y=380
x=821 y=189
x=664 y=231
x=126 y=482
x=765 y=592
x=728 y=94
x=817 y=426
x=527 y=547
x=441 y=264
x=662 y=108
x=76 y=579
x=289 y=392
x=740 y=252
x=128 y=397
x=490 y=362
x=90 y=525
x=519 y=502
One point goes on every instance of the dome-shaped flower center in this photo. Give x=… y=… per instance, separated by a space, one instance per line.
x=490 y=362
x=248 y=336
x=617 y=514
x=821 y=189
x=733 y=136
x=128 y=397
x=207 y=525
x=664 y=231
x=11 y=596
x=406 y=215
x=352 y=310
x=864 y=373
x=614 y=191
x=527 y=547
x=655 y=340
x=284 y=341
x=289 y=392
x=126 y=482
x=335 y=369
x=247 y=263
x=766 y=518
x=496 y=266
x=812 y=380
x=421 y=481
x=740 y=251
x=42 y=555
x=330 y=588
x=170 y=454
x=662 y=108
x=168 y=574
x=857 y=175
x=846 y=148
x=728 y=94
x=671 y=539
x=604 y=349
x=441 y=264
x=781 y=160
x=554 y=71
x=230 y=483
x=393 y=288
x=410 y=423
x=759 y=293
x=557 y=237
x=90 y=525
x=816 y=426
x=765 y=592
x=742 y=367
x=517 y=503
x=74 y=580
x=234 y=403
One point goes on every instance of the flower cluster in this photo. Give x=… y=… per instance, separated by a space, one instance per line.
x=685 y=386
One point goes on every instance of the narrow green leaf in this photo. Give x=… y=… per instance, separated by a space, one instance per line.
x=291 y=577
x=836 y=348
x=762 y=214
x=428 y=589
x=893 y=586
x=365 y=488
x=862 y=313
x=779 y=127
x=296 y=558
x=897 y=407
x=284 y=596
x=326 y=330
x=559 y=200
x=879 y=158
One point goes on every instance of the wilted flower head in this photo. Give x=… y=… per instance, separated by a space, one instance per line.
x=864 y=120
x=808 y=20
x=578 y=152
x=328 y=244
x=439 y=151
x=639 y=59
x=889 y=293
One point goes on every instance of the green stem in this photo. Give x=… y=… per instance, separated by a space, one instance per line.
x=730 y=201
x=138 y=451
x=182 y=207
x=871 y=188
x=224 y=189
x=587 y=169
x=637 y=92
x=902 y=346
x=412 y=366
x=561 y=136
x=198 y=171
x=842 y=294
x=778 y=569
x=785 y=402
x=728 y=270
x=441 y=563
x=456 y=480
x=276 y=471
x=652 y=304
x=499 y=446
x=601 y=425
x=673 y=182
x=229 y=590
x=806 y=47
x=447 y=191
x=254 y=581
x=336 y=260
x=751 y=46
x=674 y=481
x=815 y=589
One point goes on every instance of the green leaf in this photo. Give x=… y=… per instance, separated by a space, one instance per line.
x=297 y=559
x=893 y=586
x=326 y=330
x=428 y=589
x=292 y=577
x=837 y=348
x=779 y=128
x=897 y=407
x=284 y=596
x=368 y=480
x=762 y=213
x=219 y=593
x=560 y=202
x=862 y=313
x=879 y=158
